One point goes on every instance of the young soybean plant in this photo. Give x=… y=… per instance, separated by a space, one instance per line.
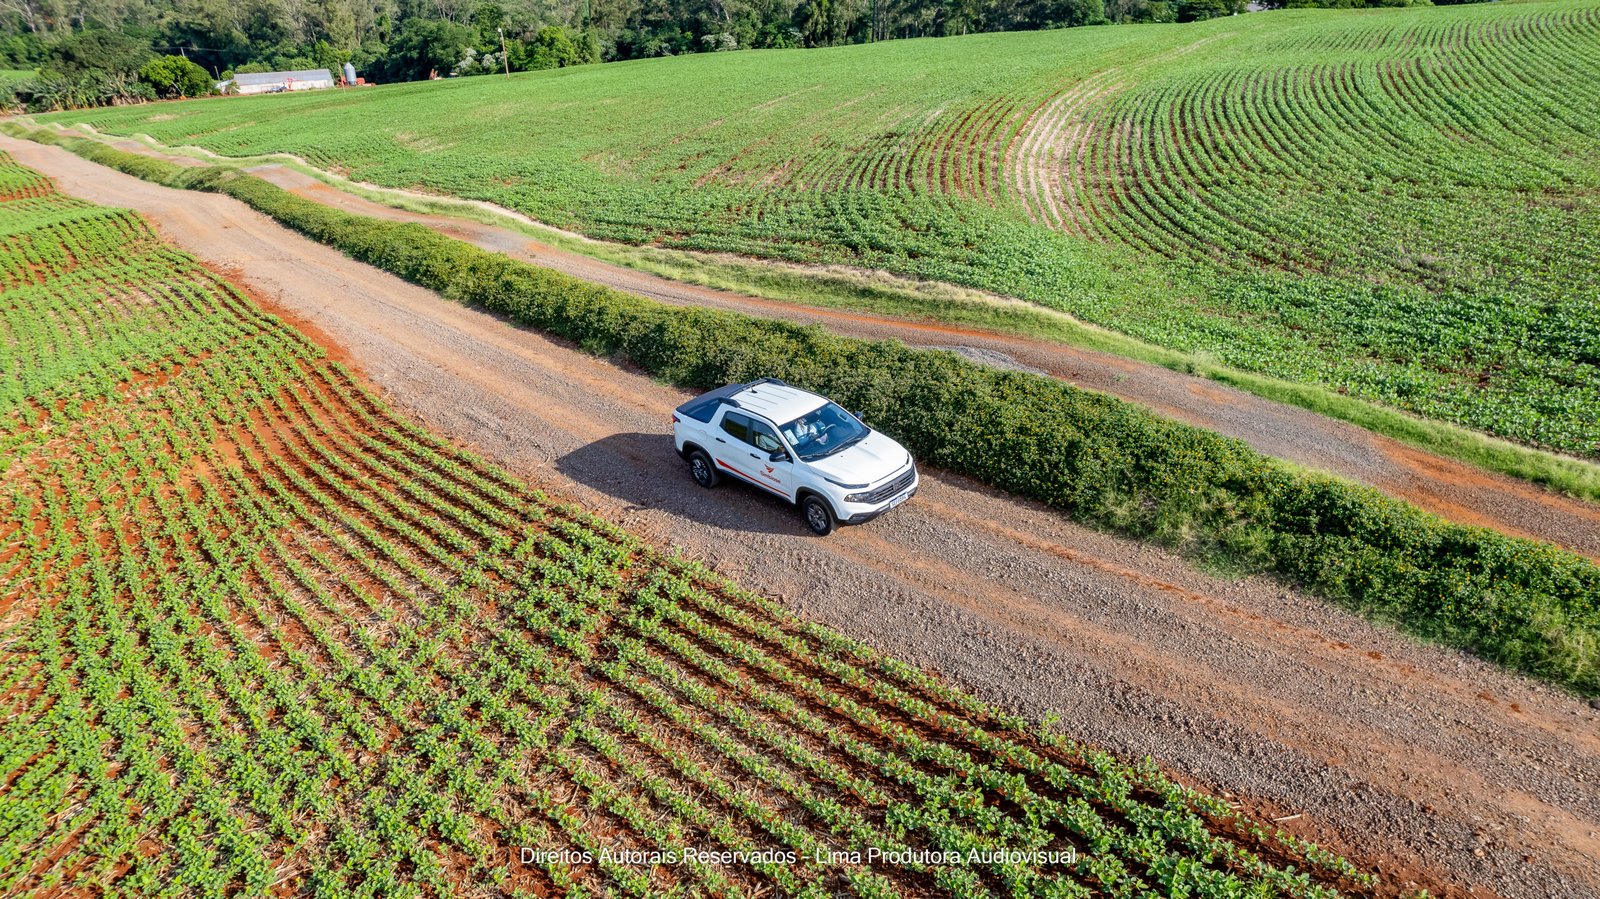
x=262 y=635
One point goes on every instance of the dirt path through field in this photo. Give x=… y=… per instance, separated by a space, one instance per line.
x=1446 y=487
x=1418 y=761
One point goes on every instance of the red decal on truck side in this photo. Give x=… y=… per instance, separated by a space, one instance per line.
x=749 y=478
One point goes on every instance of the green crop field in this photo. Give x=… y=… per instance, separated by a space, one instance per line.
x=260 y=636
x=1401 y=205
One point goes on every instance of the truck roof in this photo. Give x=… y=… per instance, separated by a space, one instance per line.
x=768 y=397
x=777 y=401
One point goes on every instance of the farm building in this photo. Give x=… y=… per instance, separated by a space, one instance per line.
x=278 y=82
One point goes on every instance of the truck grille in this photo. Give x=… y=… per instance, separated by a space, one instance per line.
x=891 y=488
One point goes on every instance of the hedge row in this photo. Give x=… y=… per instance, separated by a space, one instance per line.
x=1528 y=606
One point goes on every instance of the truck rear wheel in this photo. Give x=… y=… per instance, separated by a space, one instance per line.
x=819 y=518
x=705 y=473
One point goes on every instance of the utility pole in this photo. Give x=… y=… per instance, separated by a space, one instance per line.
x=504 y=56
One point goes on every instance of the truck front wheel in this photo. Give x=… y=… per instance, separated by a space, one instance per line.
x=819 y=518
x=705 y=474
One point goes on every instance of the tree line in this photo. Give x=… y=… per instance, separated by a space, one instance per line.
x=96 y=52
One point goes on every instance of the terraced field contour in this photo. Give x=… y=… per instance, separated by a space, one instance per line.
x=1399 y=205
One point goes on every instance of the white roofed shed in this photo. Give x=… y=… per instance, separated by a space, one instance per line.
x=278 y=82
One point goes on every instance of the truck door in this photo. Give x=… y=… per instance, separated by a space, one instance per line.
x=779 y=472
x=735 y=453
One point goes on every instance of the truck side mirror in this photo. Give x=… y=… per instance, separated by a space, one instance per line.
x=779 y=456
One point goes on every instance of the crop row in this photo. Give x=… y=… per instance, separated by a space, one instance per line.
x=1532 y=607
x=1425 y=205
x=260 y=634
x=1397 y=205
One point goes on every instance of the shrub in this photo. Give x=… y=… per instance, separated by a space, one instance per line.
x=175 y=76
x=1105 y=462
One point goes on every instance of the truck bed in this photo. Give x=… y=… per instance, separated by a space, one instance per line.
x=702 y=407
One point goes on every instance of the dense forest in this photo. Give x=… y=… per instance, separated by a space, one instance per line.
x=99 y=52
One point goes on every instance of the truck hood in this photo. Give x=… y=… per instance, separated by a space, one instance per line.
x=869 y=461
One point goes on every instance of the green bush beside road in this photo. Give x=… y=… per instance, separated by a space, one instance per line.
x=1528 y=606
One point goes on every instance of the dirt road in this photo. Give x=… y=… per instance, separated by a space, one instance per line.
x=1452 y=489
x=1418 y=761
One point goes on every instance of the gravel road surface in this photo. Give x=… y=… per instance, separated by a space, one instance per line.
x=1446 y=487
x=1423 y=763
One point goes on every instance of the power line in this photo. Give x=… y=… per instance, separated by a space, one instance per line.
x=191 y=47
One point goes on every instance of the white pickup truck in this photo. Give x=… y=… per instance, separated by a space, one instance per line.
x=798 y=445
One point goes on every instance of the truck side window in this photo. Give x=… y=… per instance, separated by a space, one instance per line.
x=737 y=425
x=764 y=438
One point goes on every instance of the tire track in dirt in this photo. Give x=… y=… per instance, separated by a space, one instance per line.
x=1451 y=489
x=1047 y=163
x=1046 y=157
x=1424 y=763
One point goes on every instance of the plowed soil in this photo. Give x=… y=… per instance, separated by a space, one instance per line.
x=1424 y=763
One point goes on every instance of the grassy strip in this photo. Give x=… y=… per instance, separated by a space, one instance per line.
x=1529 y=606
x=881 y=293
x=885 y=294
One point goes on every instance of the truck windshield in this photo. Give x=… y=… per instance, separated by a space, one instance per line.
x=823 y=432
